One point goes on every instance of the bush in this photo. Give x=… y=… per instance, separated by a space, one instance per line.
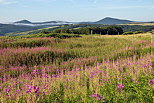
x=138 y=32
x=127 y=33
x=111 y=30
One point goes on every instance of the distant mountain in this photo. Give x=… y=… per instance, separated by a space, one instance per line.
x=24 y=22
x=150 y=22
x=53 y=22
x=25 y=25
x=111 y=21
x=105 y=21
x=85 y=22
x=28 y=23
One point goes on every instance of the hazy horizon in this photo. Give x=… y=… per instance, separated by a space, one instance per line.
x=75 y=10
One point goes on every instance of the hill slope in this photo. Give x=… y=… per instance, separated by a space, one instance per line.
x=8 y=28
x=111 y=21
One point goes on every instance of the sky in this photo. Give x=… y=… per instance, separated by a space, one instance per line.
x=75 y=10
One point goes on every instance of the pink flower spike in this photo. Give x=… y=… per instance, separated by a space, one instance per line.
x=7 y=90
x=151 y=81
x=28 y=91
x=120 y=87
x=96 y=96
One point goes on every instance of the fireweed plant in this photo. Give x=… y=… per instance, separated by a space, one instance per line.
x=88 y=69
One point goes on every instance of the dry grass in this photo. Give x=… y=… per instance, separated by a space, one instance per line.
x=141 y=24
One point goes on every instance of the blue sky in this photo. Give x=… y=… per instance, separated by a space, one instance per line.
x=75 y=10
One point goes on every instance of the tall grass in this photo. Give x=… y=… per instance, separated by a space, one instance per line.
x=32 y=56
x=124 y=80
x=24 y=42
x=89 y=69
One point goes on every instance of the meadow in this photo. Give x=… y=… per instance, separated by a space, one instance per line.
x=142 y=24
x=77 y=69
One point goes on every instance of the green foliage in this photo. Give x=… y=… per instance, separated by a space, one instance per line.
x=135 y=32
x=138 y=32
x=55 y=35
x=111 y=30
x=25 y=43
x=128 y=33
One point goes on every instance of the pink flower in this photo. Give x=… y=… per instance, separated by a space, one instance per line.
x=96 y=96
x=151 y=81
x=120 y=87
x=33 y=88
x=35 y=71
x=145 y=66
x=45 y=86
x=45 y=75
x=28 y=91
x=7 y=90
x=36 y=89
x=29 y=88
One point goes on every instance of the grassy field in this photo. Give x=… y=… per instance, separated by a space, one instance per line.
x=85 y=69
x=142 y=24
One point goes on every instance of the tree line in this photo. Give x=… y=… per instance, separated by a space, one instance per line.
x=107 y=30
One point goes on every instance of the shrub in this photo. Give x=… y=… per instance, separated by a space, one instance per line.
x=127 y=33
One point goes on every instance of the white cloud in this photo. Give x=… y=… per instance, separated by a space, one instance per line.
x=6 y=2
